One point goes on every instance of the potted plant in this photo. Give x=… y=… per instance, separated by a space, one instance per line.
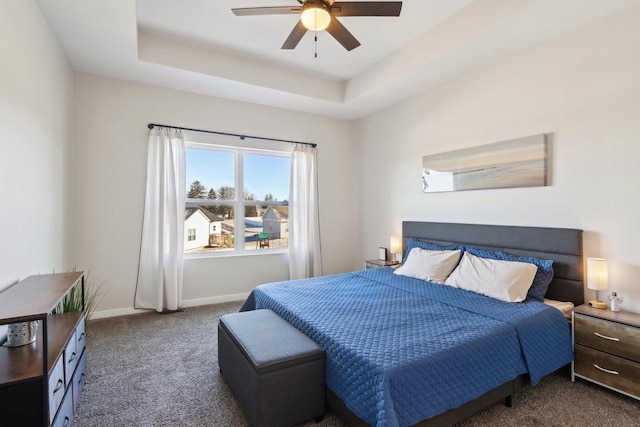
x=72 y=302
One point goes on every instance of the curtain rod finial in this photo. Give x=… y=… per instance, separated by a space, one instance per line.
x=150 y=126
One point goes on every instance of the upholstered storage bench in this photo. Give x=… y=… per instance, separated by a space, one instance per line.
x=275 y=371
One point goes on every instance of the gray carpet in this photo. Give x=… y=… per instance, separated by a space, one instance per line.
x=161 y=370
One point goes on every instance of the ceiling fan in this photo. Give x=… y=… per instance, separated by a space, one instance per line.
x=318 y=15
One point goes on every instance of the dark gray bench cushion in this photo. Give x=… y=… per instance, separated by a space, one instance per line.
x=275 y=371
x=269 y=341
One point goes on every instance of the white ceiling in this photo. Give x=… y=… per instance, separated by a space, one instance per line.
x=201 y=46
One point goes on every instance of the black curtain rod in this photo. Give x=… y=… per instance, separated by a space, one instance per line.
x=242 y=137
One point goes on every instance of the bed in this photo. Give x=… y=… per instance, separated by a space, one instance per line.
x=402 y=351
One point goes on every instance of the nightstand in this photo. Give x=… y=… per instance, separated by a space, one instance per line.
x=607 y=349
x=376 y=263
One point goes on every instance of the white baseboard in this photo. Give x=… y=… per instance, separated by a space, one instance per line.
x=116 y=312
x=186 y=303
x=215 y=300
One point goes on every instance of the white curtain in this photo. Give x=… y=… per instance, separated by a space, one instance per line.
x=304 y=225
x=159 y=284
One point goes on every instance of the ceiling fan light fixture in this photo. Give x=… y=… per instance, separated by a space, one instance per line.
x=315 y=17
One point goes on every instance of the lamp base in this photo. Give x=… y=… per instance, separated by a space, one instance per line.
x=597 y=304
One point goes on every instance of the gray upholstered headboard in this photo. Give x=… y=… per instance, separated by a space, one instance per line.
x=562 y=245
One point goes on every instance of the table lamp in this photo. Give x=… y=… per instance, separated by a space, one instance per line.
x=597 y=279
x=395 y=247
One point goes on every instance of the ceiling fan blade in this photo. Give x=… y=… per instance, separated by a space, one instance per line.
x=296 y=35
x=340 y=33
x=284 y=10
x=366 y=8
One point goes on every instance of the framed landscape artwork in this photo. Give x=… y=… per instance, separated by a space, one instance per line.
x=519 y=162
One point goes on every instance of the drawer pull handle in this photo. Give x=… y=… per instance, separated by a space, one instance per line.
x=608 y=371
x=72 y=358
x=81 y=337
x=59 y=385
x=66 y=421
x=606 y=337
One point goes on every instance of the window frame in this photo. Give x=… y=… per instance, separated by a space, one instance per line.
x=238 y=203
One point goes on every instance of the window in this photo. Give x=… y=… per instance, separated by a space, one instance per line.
x=218 y=220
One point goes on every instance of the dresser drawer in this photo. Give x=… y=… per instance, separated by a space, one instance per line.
x=611 y=337
x=65 y=415
x=607 y=369
x=80 y=336
x=78 y=380
x=56 y=387
x=70 y=357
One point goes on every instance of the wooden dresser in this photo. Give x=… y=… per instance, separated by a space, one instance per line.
x=40 y=383
x=607 y=349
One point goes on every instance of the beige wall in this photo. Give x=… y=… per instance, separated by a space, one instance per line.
x=584 y=88
x=36 y=93
x=110 y=144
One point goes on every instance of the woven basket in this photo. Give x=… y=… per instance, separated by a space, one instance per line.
x=22 y=333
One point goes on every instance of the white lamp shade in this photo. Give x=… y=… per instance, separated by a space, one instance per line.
x=396 y=244
x=315 y=18
x=597 y=274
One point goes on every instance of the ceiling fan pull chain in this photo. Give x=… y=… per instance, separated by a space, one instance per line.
x=315 y=36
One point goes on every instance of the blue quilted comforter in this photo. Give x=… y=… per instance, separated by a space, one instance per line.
x=400 y=350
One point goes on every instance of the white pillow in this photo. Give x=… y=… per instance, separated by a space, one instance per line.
x=504 y=280
x=434 y=266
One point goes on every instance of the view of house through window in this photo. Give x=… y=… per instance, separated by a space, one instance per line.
x=220 y=219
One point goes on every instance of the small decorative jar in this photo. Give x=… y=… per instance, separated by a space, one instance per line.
x=22 y=333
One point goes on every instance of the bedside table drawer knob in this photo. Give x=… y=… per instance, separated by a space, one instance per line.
x=606 y=337
x=608 y=371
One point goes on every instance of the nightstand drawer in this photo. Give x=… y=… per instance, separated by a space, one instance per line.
x=611 y=337
x=612 y=371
